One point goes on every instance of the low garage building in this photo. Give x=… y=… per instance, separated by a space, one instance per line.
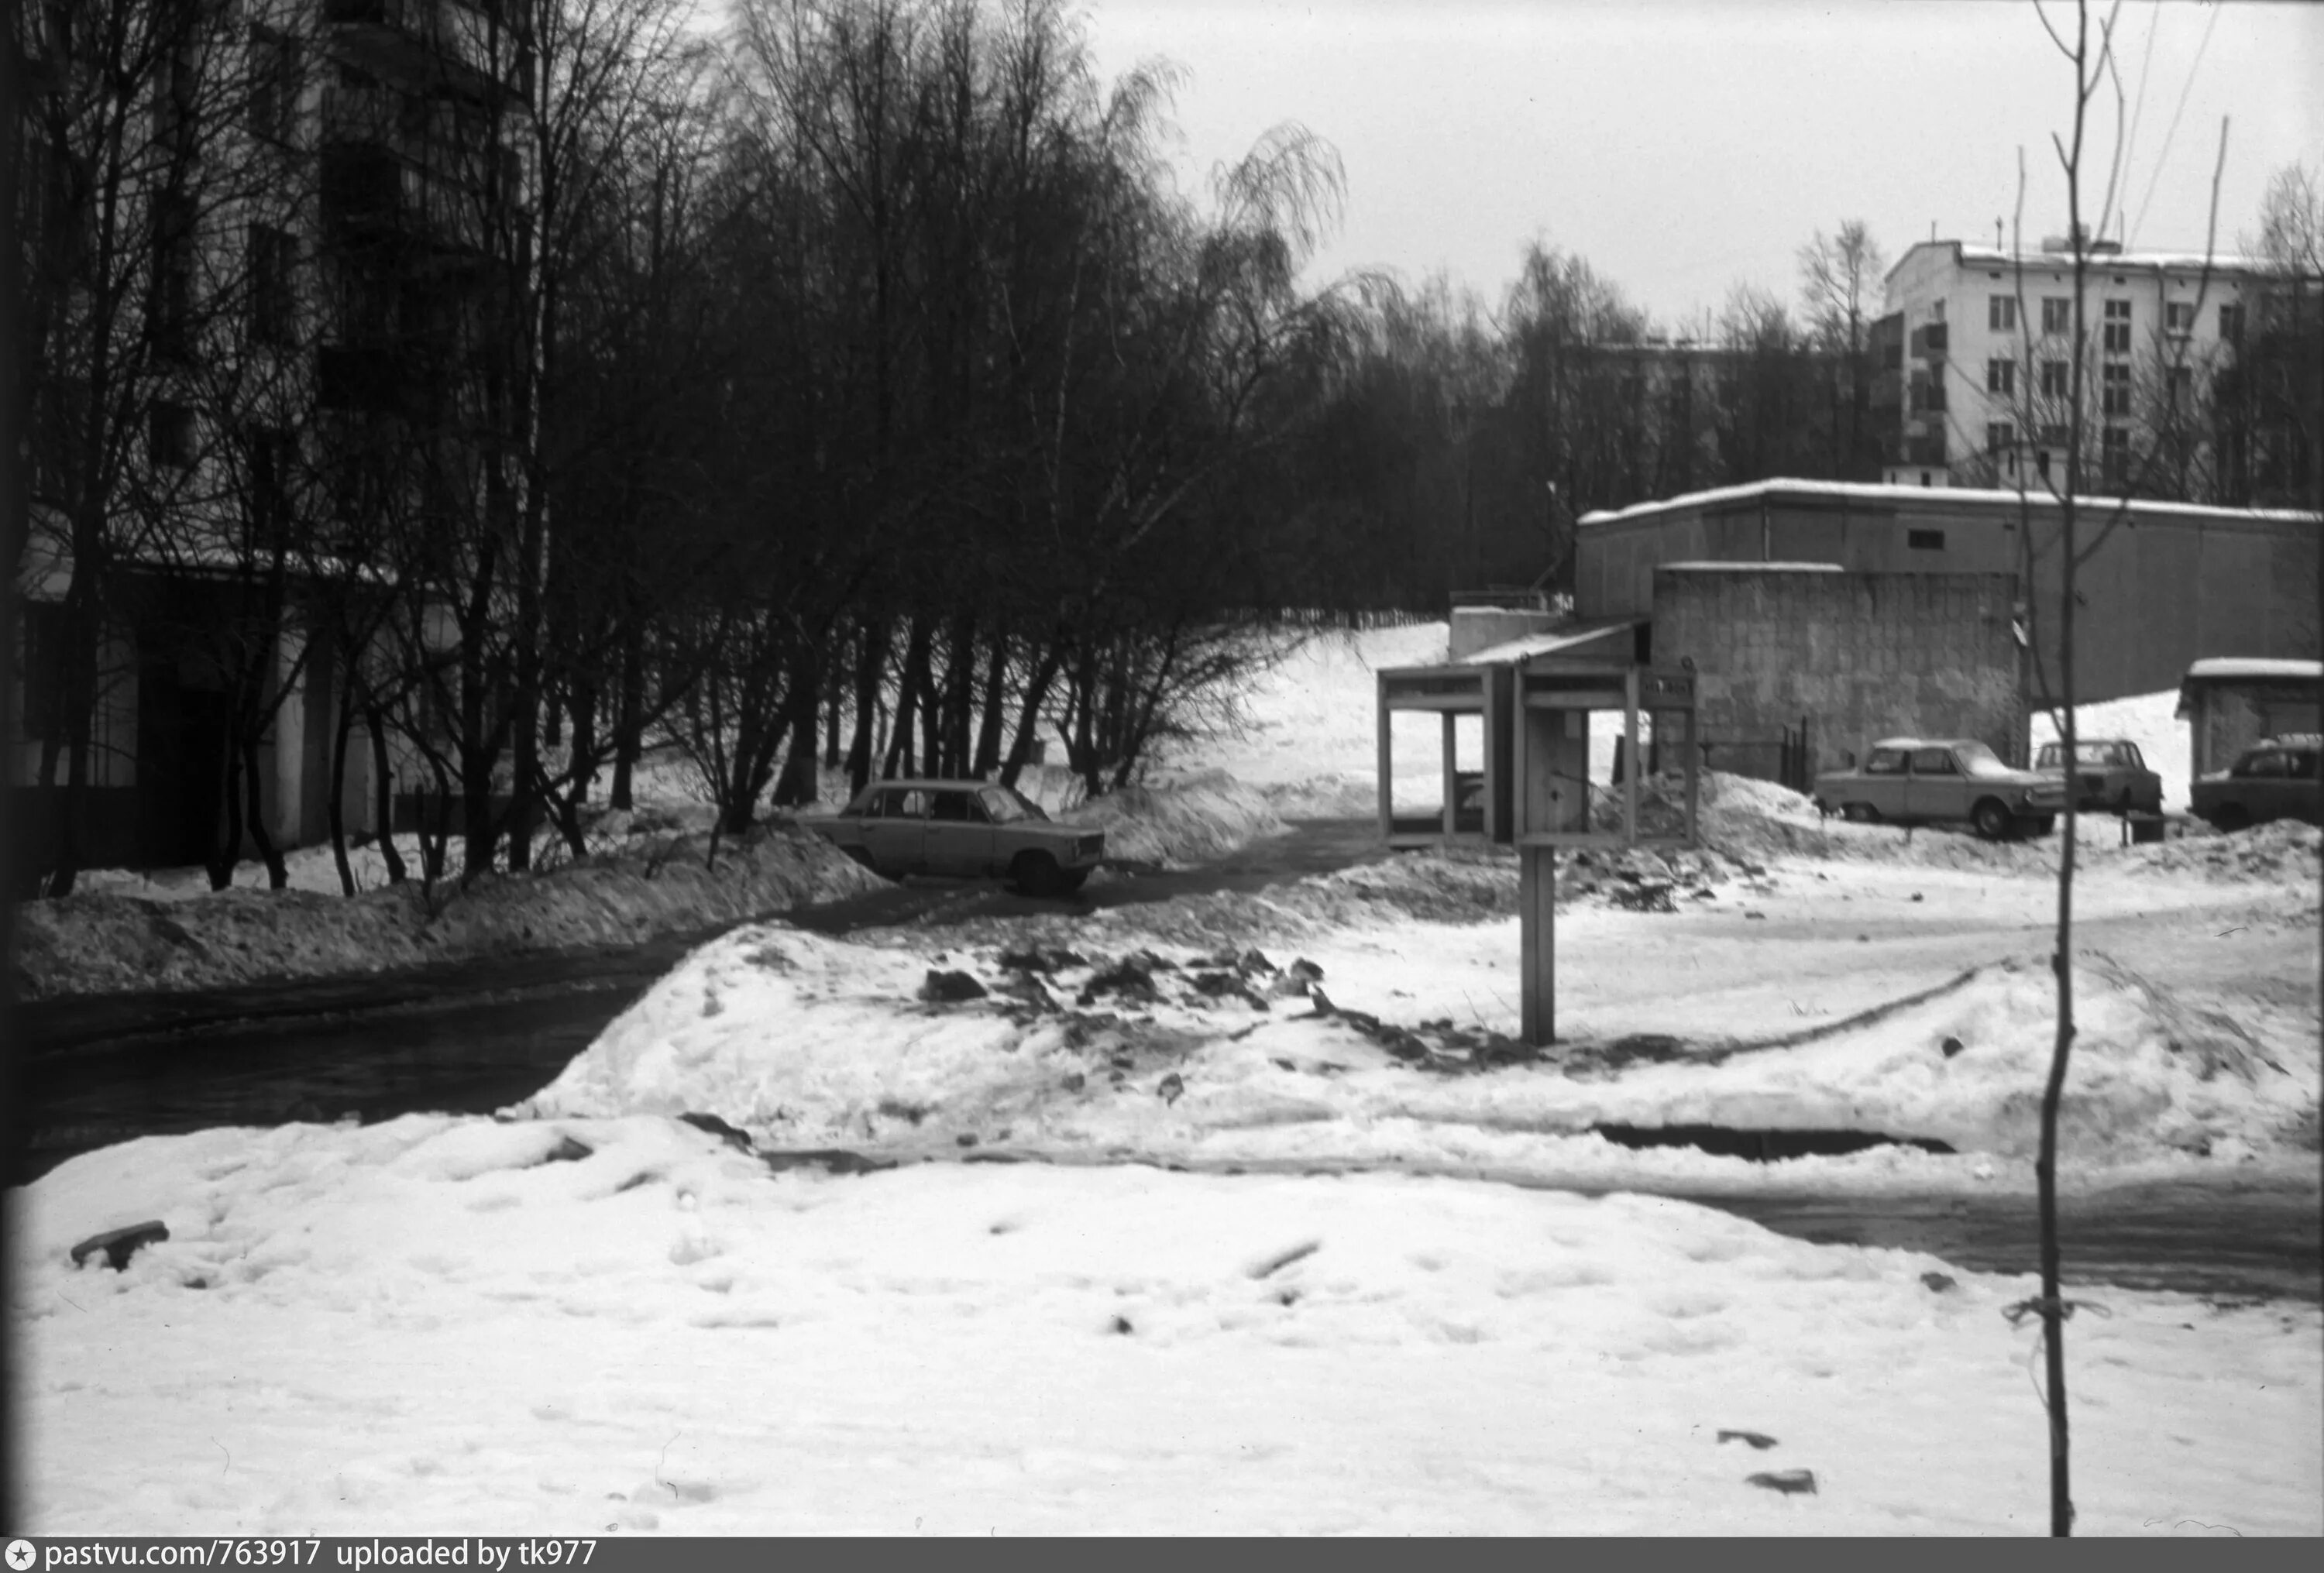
x=1877 y=609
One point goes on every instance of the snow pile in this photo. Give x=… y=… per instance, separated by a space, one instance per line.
x=1178 y=822
x=1342 y=796
x=587 y=1328
x=803 y=1041
x=94 y=945
x=2285 y=852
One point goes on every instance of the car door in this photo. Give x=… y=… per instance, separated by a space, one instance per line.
x=895 y=831
x=1936 y=788
x=1882 y=782
x=2304 y=785
x=959 y=835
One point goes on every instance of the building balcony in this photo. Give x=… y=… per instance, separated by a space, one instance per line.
x=1885 y=391
x=470 y=46
x=1928 y=342
x=364 y=378
x=374 y=197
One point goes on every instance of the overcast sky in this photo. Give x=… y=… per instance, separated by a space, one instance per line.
x=1681 y=146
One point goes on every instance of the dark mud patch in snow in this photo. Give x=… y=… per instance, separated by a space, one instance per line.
x=1761 y=1146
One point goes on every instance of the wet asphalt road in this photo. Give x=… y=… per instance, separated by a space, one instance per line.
x=472 y=1036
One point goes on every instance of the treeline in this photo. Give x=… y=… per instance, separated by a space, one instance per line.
x=849 y=386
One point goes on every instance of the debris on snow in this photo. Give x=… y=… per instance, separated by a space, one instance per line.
x=118 y=1246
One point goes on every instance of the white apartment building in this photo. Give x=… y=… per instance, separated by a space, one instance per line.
x=1973 y=363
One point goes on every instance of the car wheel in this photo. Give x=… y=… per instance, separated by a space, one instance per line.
x=1037 y=874
x=2230 y=816
x=1859 y=813
x=1993 y=819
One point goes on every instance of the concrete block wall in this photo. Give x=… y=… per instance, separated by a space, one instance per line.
x=2230 y=719
x=1861 y=656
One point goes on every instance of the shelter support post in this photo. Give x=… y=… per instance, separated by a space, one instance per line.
x=1387 y=774
x=1630 y=752
x=1537 y=945
x=1451 y=776
x=1694 y=757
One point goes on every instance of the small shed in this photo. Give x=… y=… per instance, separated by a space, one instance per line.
x=2235 y=701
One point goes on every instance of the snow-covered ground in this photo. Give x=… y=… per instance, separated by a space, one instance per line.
x=434 y=1325
x=1360 y=1311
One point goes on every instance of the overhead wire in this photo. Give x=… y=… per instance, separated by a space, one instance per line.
x=2162 y=158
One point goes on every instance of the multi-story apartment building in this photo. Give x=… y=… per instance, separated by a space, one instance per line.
x=302 y=288
x=1974 y=371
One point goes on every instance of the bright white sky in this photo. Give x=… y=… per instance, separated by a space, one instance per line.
x=1681 y=146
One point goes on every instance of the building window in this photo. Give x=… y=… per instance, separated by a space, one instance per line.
x=2114 y=392
x=273 y=84
x=1925 y=540
x=2056 y=383
x=271 y=452
x=169 y=435
x=2117 y=327
x=1937 y=310
x=270 y=284
x=2182 y=387
x=2231 y=322
x=2001 y=376
x=2179 y=319
x=2000 y=436
x=2057 y=314
x=171 y=304
x=2114 y=455
x=2055 y=435
x=2001 y=313
x=41 y=668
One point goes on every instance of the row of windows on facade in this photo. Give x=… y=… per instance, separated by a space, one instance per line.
x=2113 y=383
x=272 y=256
x=2001 y=445
x=170 y=441
x=2058 y=317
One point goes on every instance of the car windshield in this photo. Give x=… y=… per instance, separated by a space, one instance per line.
x=1977 y=759
x=1007 y=806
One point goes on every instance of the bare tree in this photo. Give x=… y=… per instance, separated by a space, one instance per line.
x=1840 y=282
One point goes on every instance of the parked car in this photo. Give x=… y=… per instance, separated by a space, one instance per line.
x=967 y=828
x=2276 y=778
x=1915 y=780
x=2110 y=773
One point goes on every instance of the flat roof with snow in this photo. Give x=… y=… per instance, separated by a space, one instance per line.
x=1701 y=568
x=1928 y=496
x=2246 y=668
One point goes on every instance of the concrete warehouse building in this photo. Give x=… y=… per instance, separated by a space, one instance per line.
x=1868 y=610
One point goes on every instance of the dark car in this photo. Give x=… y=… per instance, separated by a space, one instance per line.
x=1916 y=780
x=2277 y=778
x=2109 y=773
x=966 y=829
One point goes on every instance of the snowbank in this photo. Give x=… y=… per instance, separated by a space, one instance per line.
x=656 y=1335
x=1178 y=822
x=803 y=1041
x=102 y=944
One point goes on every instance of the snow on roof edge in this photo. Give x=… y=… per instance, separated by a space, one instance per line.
x=2227 y=669
x=1750 y=567
x=1870 y=492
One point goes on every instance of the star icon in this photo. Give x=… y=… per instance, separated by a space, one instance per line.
x=21 y=1555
